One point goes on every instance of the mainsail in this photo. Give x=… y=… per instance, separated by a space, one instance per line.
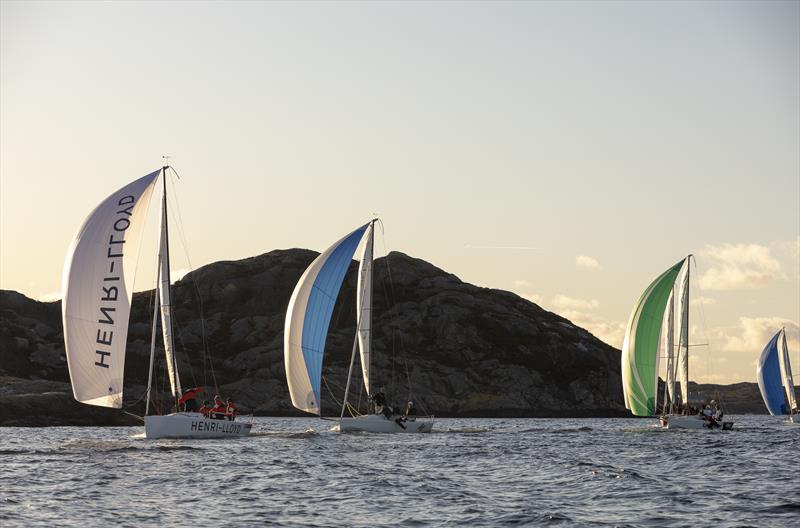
x=640 y=348
x=364 y=302
x=165 y=300
x=668 y=342
x=786 y=374
x=308 y=317
x=683 y=340
x=98 y=286
x=768 y=372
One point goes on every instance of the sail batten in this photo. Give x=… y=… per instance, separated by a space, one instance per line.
x=640 y=347
x=308 y=318
x=98 y=284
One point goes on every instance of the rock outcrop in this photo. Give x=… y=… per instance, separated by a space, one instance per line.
x=467 y=351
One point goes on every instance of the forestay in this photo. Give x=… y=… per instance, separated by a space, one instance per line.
x=640 y=347
x=97 y=285
x=308 y=317
x=768 y=372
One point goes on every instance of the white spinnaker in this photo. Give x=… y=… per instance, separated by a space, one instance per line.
x=165 y=299
x=668 y=333
x=97 y=287
x=786 y=374
x=364 y=303
x=683 y=341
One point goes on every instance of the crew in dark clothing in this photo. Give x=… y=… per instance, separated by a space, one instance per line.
x=410 y=409
x=189 y=399
x=379 y=399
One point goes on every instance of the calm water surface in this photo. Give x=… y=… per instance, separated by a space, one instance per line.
x=478 y=472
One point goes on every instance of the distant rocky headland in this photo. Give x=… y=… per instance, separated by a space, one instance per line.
x=468 y=351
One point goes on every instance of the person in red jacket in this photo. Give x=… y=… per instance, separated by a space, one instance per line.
x=205 y=409
x=188 y=400
x=219 y=409
x=231 y=410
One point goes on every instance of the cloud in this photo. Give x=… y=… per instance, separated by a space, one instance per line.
x=739 y=266
x=570 y=303
x=582 y=261
x=753 y=333
x=706 y=301
x=532 y=297
x=522 y=248
x=521 y=283
x=610 y=332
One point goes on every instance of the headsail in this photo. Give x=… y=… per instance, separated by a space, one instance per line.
x=308 y=317
x=640 y=348
x=768 y=373
x=786 y=374
x=98 y=285
x=364 y=302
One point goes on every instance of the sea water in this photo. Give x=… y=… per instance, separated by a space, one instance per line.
x=476 y=472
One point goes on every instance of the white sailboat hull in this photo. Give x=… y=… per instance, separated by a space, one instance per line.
x=695 y=421
x=793 y=419
x=193 y=425
x=377 y=423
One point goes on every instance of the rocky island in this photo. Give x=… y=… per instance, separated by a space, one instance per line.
x=466 y=350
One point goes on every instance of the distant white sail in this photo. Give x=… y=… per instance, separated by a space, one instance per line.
x=683 y=341
x=166 y=301
x=364 y=302
x=786 y=375
x=98 y=283
x=668 y=340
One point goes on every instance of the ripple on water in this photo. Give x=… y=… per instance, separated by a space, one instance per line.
x=294 y=472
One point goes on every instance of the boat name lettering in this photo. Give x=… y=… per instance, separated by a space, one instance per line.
x=111 y=294
x=218 y=426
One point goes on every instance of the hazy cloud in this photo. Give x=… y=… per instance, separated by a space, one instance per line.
x=737 y=266
x=583 y=261
x=706 y=301
x=522 y=283
x=50 y=296
x=610 y=332
x=570 y=303
x=753 y=333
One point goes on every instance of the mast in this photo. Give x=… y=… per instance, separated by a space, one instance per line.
x=152 y=344
x=363 y=316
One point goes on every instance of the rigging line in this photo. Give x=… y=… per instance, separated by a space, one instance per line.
x=403 y=353
x=196 y=287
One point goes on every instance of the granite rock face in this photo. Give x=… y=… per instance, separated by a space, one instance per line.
x=466 y=350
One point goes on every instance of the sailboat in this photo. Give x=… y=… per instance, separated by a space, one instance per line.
x=307 y=320
x=650 y=331
x=774 y=373
x=98 y=288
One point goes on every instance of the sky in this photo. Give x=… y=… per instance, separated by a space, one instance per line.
x=567 y=151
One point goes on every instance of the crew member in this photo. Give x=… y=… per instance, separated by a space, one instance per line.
x=410 y=409
x=231 y=410
x=189 y=399
x=219 y=409
x=205 y=409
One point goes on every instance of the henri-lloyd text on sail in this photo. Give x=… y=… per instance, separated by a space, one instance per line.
x=111 y=293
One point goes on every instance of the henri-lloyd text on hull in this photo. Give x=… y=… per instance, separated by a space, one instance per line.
x=110 y=293
x=216 y=426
